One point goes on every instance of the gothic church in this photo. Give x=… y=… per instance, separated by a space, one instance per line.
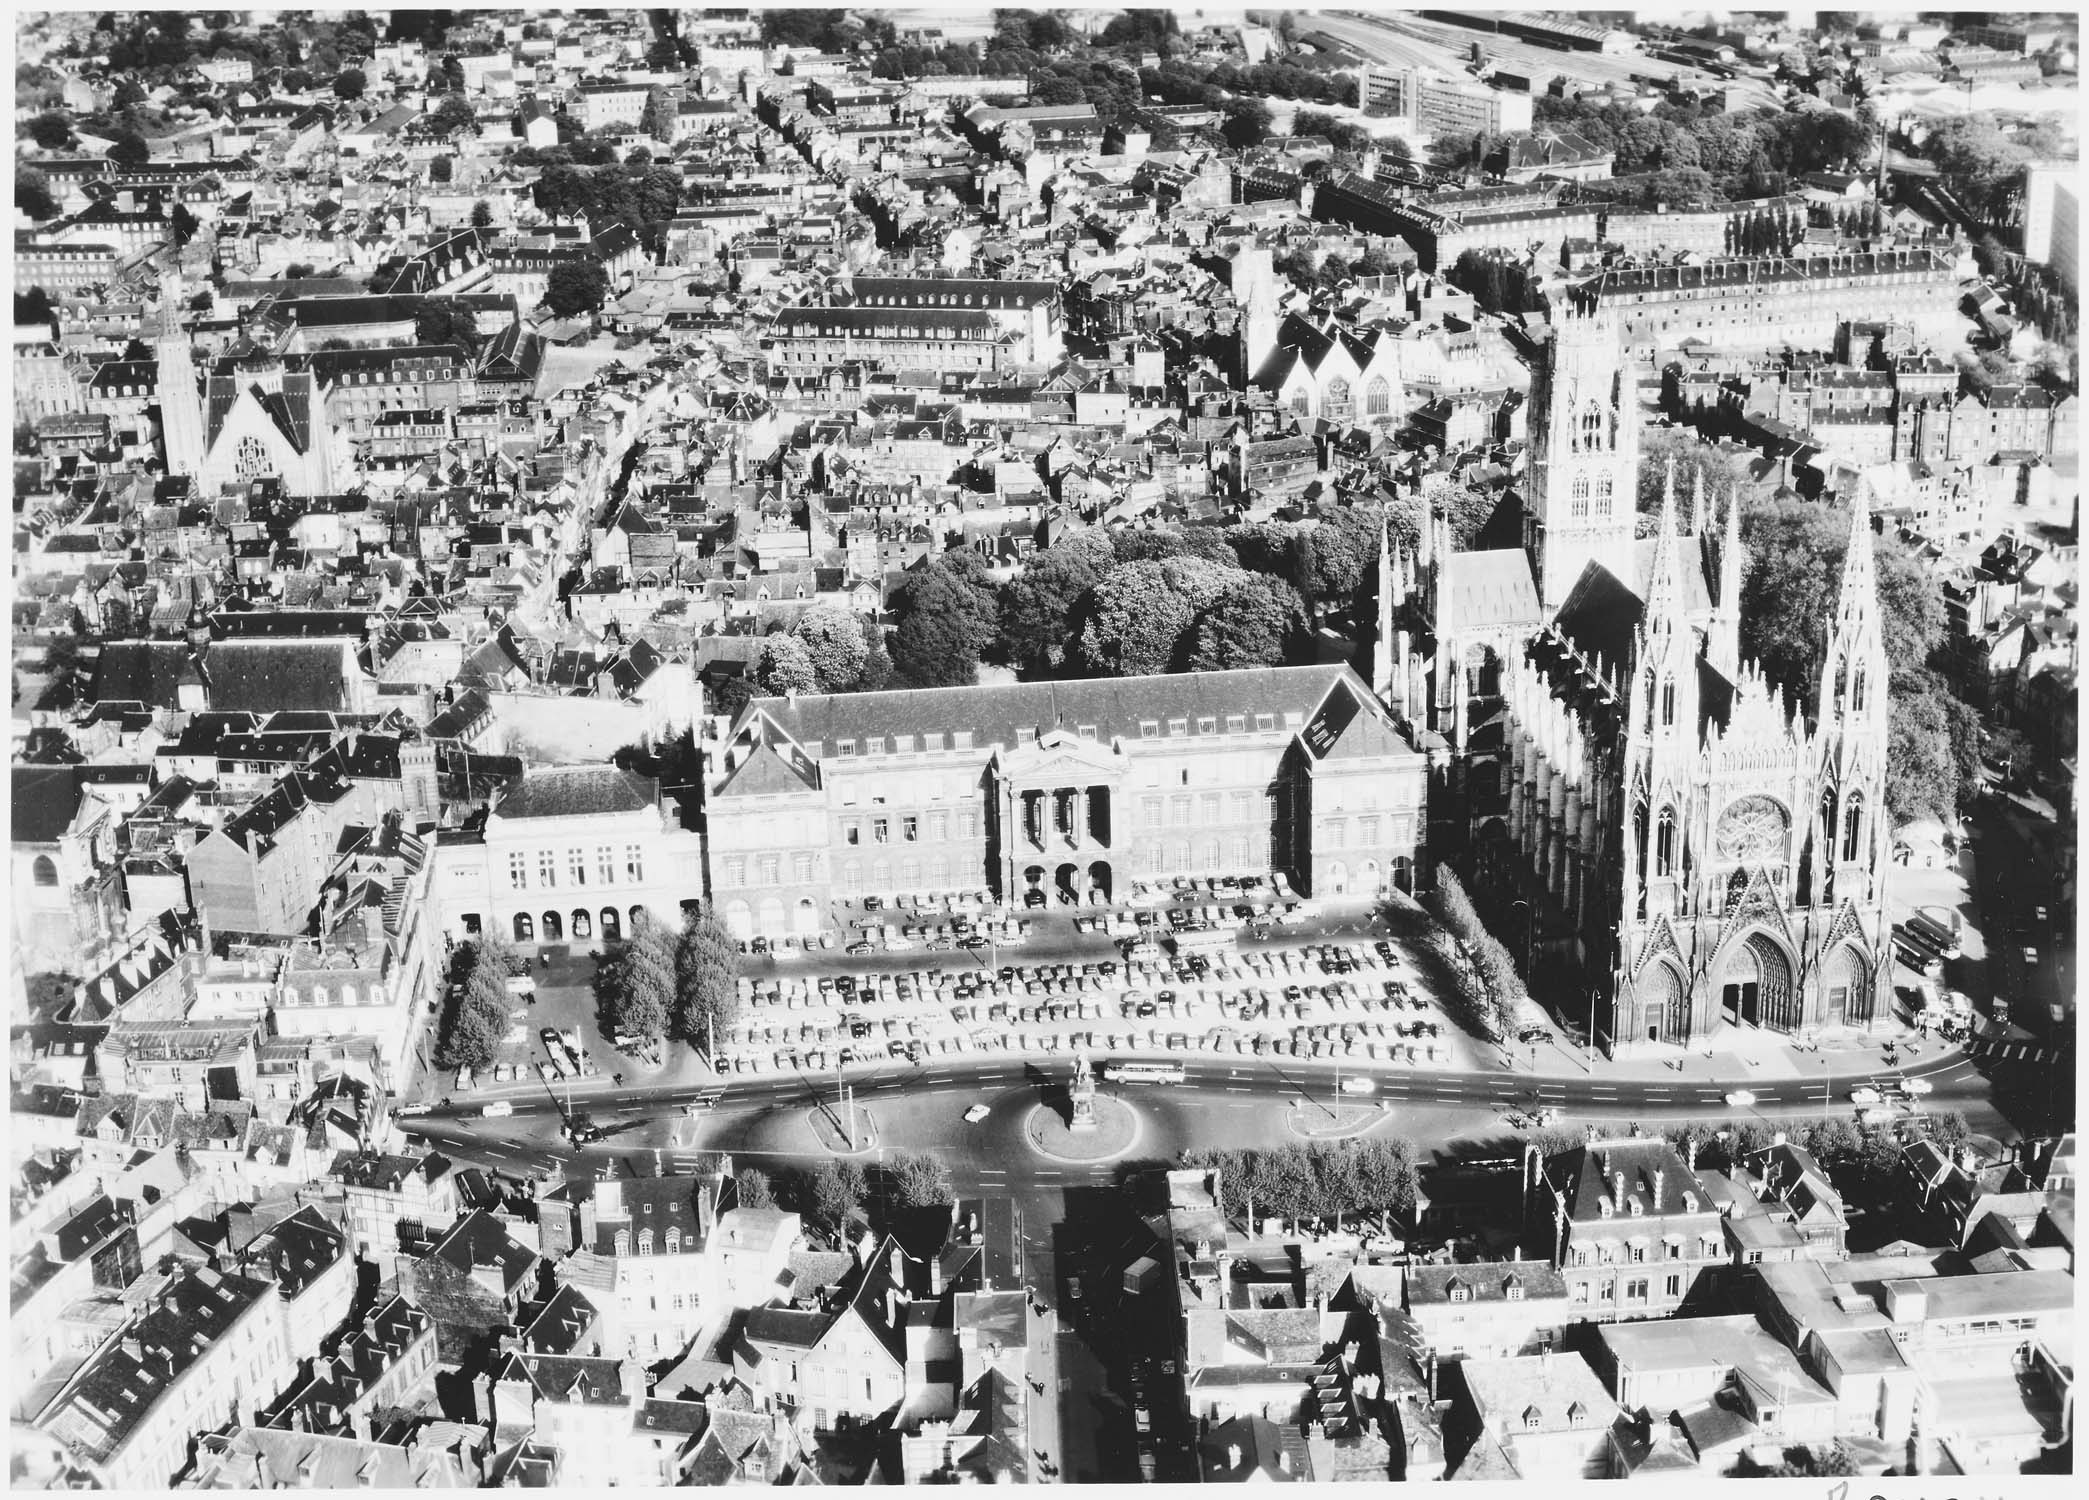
x=1708 y=858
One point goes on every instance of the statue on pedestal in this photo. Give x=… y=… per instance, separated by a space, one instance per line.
x=1083 y=1092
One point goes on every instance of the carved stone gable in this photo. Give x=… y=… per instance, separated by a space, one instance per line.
x=1843 y=927
x=1661 y=940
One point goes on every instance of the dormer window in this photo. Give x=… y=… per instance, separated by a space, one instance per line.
x=1512 y=1290
x=1149 y=729
x=1532 y=1419
x=1459 y=1292
x=845 y=748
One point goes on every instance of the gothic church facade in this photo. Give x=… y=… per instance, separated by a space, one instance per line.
x=1710 y=859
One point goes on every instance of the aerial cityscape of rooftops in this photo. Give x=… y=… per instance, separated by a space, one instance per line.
x=1060 y=746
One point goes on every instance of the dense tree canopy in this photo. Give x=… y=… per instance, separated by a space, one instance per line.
x=785 y=666
x=1258 y=621
x=576 y=286
x=1038 y=605
x=707 y=971
x=834 y=645
x=948 y=615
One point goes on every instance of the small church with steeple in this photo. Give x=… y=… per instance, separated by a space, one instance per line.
x=257 y=417
x=1703 y=855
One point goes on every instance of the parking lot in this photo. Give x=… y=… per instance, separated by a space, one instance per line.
x=1186 y=968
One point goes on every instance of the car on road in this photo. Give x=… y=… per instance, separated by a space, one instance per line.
x=977 y=1113
x=499 y=1109
x=1740 y=1099
x=410 y=1111
x=1914 y=1087
x=1865 y=1095
x=1359 y=1086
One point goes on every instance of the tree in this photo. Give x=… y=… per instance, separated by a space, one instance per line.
x=636 y=982
x=1261 y=622
x=482 y=215
x=202 y=302
x=183 y=224
x=946 y=621
x=446 y=320
x=442 y=169
x=658 y=121
x=52 y=130
x=920 y=1180
x=784 y=667
x=707 y=972
x=1990 y=256
x=130 y=148
x=1038 y=605
x=1247 y=124
x=480 y=1019
x=33 y=194
x=453 y=114
x=834 y=1191
x=1138 y=614
x=34 y=306
x=751 y=1188
x=576 y=286
x=1341 y=554
x=834 y=646
x=350 y=83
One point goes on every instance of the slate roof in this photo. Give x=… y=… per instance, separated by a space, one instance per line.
x=269 y=675
x=998 y=714
x=148 y=672
x=43 y=802
x=579 y=791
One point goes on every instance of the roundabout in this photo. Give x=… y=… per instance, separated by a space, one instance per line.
x=1115 y=1132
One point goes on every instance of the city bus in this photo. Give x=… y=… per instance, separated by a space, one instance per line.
x=1143 y=1072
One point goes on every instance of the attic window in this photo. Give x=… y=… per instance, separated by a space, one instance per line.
x=932 y=741
x=845 y=747
x=1236 y=724
x=1149 y=729
x=1459 y=1292
x=1207 y=725
x=903 y=744
x=1087 y=731
x=1265 y=721
x=1178 y=726
x=961 y=740
x=874 y=745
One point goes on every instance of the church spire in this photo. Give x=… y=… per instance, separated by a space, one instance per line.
x=1724 y=647
x=1665 y=579
x=1853 y=672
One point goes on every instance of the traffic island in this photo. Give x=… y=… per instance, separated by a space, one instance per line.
x=1116 y=1131
x=1324 y=1122
x=826 y=1122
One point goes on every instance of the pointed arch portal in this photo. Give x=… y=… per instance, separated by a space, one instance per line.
x=1755 y=986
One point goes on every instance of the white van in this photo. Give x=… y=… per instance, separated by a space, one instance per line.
x=499 y=1109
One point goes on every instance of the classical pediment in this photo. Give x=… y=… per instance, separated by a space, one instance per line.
x=1060 y=757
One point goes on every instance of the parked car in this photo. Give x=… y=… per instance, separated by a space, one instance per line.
x=977 y=1113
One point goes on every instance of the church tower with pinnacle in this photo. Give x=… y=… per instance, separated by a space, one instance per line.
x=181 y=402
x=1584 y=455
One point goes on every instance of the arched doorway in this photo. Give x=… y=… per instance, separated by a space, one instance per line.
x=638 y=915
x=525 y=928
x=1099 y=878
x=1755 y=986
x=583 y=926
x=612 y=925
x=1067 y=880
x=470 y=922
x=1337 y=878
x=1664 y=1005
x=1403 y=875
x=554 y=929
x=1845 y=989
x=1367 y=877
